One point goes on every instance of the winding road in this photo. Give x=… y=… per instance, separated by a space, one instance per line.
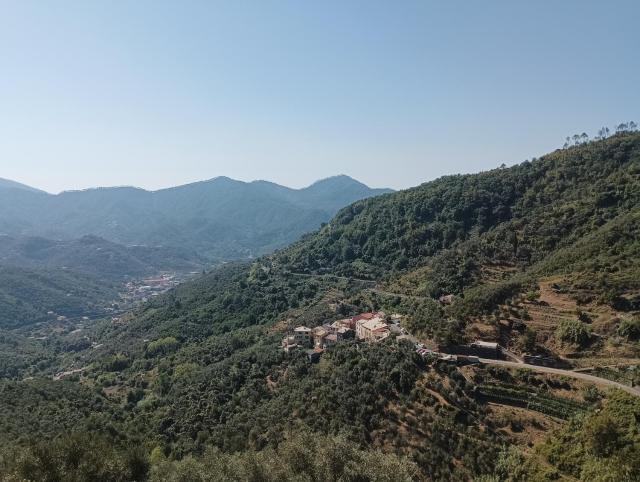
x=509 y=364
x=566 y=373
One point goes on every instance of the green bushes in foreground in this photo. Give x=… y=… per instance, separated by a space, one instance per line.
x=302 y=456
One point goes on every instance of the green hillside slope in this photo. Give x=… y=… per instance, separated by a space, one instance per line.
x=98 y=257
x=521 y=214
x=533 y=254
x=27 y=296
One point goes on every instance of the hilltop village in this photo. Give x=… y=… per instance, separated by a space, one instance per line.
x=373 y=327
x=368 y=327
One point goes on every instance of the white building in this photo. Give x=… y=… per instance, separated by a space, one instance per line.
x=303 y=335
x=289 y=344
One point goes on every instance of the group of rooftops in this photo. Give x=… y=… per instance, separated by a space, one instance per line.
x=370 y=326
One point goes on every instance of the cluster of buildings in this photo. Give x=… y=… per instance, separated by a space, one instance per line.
x=142 y=290
x=370 y=327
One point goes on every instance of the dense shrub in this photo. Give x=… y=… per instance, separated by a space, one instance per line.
x=629 y=328
x=573 y=331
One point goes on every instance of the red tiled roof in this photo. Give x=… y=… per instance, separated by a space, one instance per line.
x=363 y=316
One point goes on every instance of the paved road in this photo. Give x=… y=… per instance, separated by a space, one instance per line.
x=510 y=364
x=566 y=373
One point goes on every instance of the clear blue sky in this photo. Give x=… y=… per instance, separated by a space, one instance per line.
x=394 y=93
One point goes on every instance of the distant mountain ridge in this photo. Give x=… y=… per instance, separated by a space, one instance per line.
x=221 y=218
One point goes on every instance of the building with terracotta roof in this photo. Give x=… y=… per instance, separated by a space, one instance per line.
x=346 y=322
x=372 y=329
x=319 y=334
x=331 y=339
x=364 y=316
x=344 y=333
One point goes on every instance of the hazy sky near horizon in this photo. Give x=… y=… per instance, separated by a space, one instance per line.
x=158 y=93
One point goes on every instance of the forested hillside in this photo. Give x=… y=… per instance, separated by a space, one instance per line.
x=517 y=215
x=221 y=219
x=541 y=257
x=29 y=296
x=41 y=279
x=91 y=255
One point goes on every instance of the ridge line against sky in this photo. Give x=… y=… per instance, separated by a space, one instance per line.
x=213 y=179
x=158 y=94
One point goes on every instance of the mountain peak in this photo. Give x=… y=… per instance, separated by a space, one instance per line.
x=343 y=182
x=340 y=179
x=222 y=179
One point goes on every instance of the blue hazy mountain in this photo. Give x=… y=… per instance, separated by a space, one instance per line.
x=221 y=218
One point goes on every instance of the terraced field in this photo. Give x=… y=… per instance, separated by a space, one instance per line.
x=545 y=403
x=543 y=315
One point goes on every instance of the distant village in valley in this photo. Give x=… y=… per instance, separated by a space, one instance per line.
x=141 y=290
x=134 y=292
